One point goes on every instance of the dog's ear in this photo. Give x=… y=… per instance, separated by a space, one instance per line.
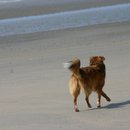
x=102 y=58
x=93 y=59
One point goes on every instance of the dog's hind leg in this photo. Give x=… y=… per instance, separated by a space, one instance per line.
x=75 y=105
x=75 y=95
x=74 y=91
x=105 y=96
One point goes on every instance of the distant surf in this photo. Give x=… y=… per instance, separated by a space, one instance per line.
x=64 y=20
x=9 y=1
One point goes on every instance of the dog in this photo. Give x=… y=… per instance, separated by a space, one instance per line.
x=89 y=79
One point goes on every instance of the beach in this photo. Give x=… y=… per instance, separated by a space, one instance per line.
x=34 y=91
x=34 y=85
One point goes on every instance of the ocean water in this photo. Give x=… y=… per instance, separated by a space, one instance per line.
x=64 y=20
x=9 y=1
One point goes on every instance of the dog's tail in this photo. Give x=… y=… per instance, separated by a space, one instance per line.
x=67 y=65
x=75 y=63
x=74 y=67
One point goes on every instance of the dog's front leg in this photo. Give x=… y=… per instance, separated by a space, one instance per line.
x=99 y=100
x=105 y=96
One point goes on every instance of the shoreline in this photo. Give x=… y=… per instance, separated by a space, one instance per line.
x=64 y=20
x=48 y=34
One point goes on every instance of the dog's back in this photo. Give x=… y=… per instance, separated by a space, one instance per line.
x=95 y=76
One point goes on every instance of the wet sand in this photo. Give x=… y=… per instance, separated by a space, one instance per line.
x=33 y=7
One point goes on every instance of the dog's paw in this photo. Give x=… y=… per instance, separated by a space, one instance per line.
x=76 y=110
x=108 y=99
x=89 y=106
x=98 y=106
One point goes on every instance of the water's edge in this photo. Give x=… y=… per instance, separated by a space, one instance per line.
x=64 y=20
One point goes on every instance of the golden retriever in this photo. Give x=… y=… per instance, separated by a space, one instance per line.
x=90 y=78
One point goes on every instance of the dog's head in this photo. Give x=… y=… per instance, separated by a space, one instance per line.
x=73 y=65
x=95 y=60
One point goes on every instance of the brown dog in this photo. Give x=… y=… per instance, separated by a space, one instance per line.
x=91 y=78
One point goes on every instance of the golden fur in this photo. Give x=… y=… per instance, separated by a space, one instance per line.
x=90 y=78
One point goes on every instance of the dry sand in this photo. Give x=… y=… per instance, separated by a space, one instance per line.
x=34 y=91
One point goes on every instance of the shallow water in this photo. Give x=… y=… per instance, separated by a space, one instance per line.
x=64 y=20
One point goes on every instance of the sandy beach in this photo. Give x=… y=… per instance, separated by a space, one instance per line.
x=34 y=85
x=34 y=92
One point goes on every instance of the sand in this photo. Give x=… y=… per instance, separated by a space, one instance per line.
x=37 y=7
x=34 y=85
x=34 y=92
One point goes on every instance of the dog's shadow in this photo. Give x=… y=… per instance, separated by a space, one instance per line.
x=117 y=105
x=113 y=105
